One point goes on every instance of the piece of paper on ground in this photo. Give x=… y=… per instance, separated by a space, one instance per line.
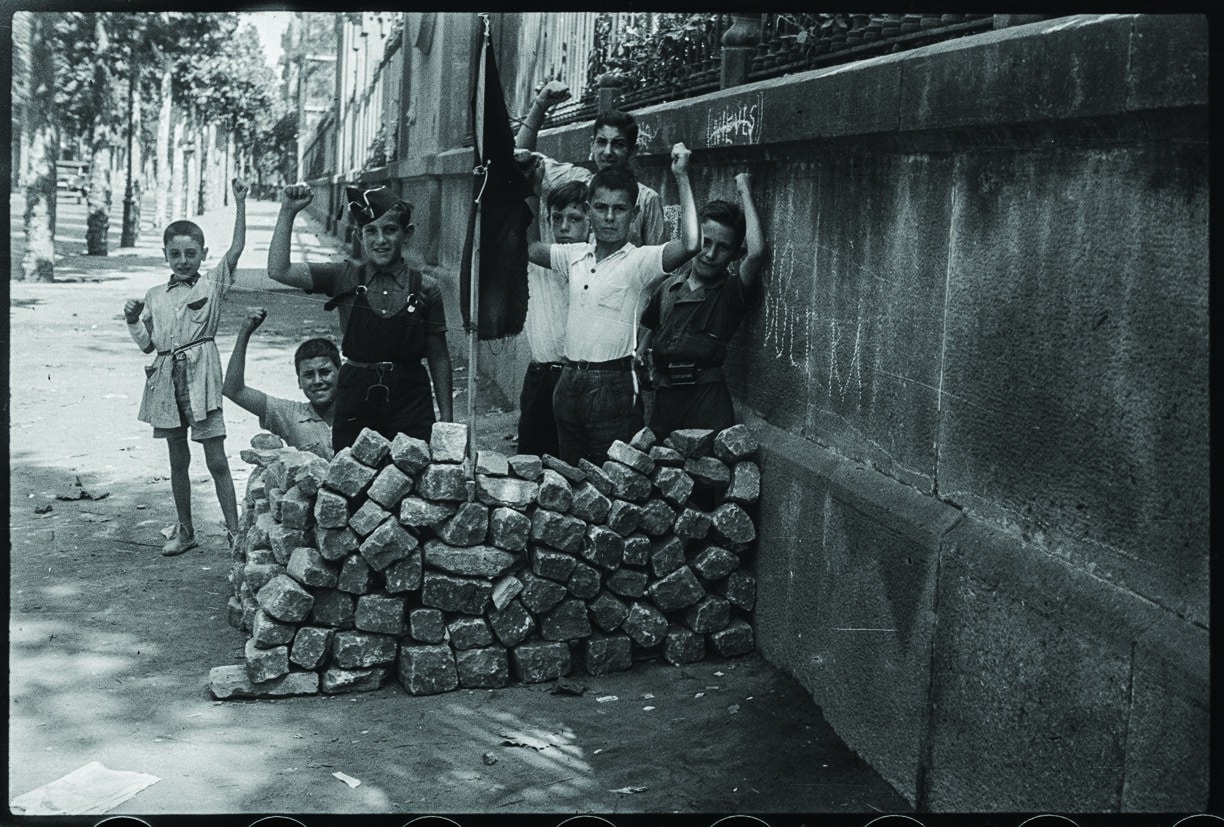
x=90 y=790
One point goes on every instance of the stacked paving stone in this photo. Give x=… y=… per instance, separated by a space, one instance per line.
x=394 y=558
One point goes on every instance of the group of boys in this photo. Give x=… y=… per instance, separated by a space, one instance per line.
x=599 y=267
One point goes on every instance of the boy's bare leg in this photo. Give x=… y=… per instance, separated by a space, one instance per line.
x=218 y=466
x=180 y=486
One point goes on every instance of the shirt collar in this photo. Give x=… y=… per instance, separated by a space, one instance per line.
x=398 y=272
x=177 y=282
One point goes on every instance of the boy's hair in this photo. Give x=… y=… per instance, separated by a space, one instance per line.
x=573 y=192
x=187 y=228
x=617 y=119
x=616 y=180
x=725 y=213
x=314 y=348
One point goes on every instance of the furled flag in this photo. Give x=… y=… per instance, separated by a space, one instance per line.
x=499 y=193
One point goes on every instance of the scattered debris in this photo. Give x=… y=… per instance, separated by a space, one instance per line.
x=647 y=708
x=699 y=695
x=79 y=492
x=733 y=709
x=90 y=517
x=347 y=779
x=90 y=790
x=42 y=509
x=630 y=790
x=489 y=758
x=518 y=739
x=603 y=699
x=568 y=686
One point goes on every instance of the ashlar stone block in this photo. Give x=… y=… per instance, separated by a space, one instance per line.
x=333 y=608
x=692 y=524
x=284 y=540
x=736 y=639
x=658 y=518
x=506 y=491
x=427 y=625
x=225 y=682
x=590 y=504
x=597 y=478
x=628 y=582
x=626 y=455
x=386 y=545
x=603 y=547
x=683 y=645
x=310 y=647
x=347 y=476
x=427 y=670
x=451 y=593
x=735 y=443
x=370 y=448
x=708 y=472
x=296 y=509
x=646 y=625
x=673 y=485
x=563 y=468
x=555 y=492
x=337 y=543
x=266 y=664
x=405 y=575
x=566 y=621
x=307 y=566
x=492 y=464
x=627 y=484
x=710 y=614
x=605 y=654
x=473 y=561
x=380 y=614
x=443 y=482
x=330 y=509
x=469 y=633
x=666 y=455
x=607 y=612
x=267 y=631
x=678 y=590
x=526 y=466
x=584 y=581
x=552 y=564
x=730 y=522
x=485 y=668
x=740 y=589
x=643 y=440
x=355 y=576
x=360 y=650
x=715 y=562
x=467 y=527
x=284 y=599
x=691 y=442
x=409 y=454
x=509 y=529
x=745 y=487
x=560 y=531
x=667 y=556
x=637 y=550
x=335 y=681
x=419 y=513
x=512 y=624
x=390 y=487
x=540 y=595
x=448 y=442
x=624 y=517
x=539 y=661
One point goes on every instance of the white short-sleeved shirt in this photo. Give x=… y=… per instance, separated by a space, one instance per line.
x=606 y=299
x=648 y=227
x=547 y=303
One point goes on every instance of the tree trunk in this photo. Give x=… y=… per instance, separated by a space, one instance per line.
x=204 y=198
x=97 y=224
x=176 y=177
x=164 y=186
x=38 y=263
x=131 y=194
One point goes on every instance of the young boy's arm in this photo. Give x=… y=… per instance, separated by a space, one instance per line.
x=754 y=239
x=437 y=356
x=681 y=250
x=234 y=387
x=549 y=96
x=239 y=240
x=294 y=199
x=141 y=330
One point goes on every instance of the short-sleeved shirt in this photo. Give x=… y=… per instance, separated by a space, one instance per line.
x=606 y=297
x=547 y=307
x=298 y=423
x=648 y=226
x=387 y=294
x=181 y=314
x=695 y=325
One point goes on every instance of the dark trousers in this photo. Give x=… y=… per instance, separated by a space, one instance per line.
x=391 y=402
x=691 y=406
x=594 y=408
x=537 y=427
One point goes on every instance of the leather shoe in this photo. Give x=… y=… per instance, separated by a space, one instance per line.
x=181 y=540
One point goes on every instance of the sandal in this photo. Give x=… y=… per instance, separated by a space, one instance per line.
x=183 y=539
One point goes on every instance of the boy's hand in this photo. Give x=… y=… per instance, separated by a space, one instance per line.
x=296 y=197
x=680 y=159
x=254 y=319
x=552 y=94
x=241 y=188
x=132 y=309
x=743 y=182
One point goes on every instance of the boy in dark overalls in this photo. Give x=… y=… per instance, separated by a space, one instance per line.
x=391 y=317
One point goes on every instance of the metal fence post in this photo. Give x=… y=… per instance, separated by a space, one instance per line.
x=738 y=44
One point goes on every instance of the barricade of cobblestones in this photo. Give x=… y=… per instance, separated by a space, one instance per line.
x=397 y=558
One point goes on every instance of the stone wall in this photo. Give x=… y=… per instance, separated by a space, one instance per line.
x=394 y=558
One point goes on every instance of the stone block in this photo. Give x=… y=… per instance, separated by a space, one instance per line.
x=678 y=590
x=691 y=442
x=307 y=566
x=335 y=681
x=643 y=440
x=284 y=599
x=666 y=455
x=330 y=509
x=627 y=484
x=673 y=485
x=233 y=612
x=589 y=503
x=359 y=650
x=605 y=654
x=379 y=614
x=552 y=564
x=658 y=518
x=596 y=477
x=492 y=464
x=409 y=454
x=708 y=472
x=369 y=516
x=370 y=448
x=603 y=547
x=731 y=523
x=225 y=682
x=284 y=540
x=388 y=544
x=555 y=492
x=667 y=556
x=310 y=647
x=467 y=527
x=474 y=561
x=566 y=621
x=257 y=575
x=715 y=562
x=745 y=487
x=390 y=487
x=443 y=482
x=734 y=444
x=267 y=631
x=526 y=466
x=309 y=476
x=262 y=557
x=583 y=582
x=275 y=495
x=427 y=625
x=628 y=582
x=266 y=664
x=257 y=457
x=574 y=475
x=560 y=531
x=539 y=661
x=419 y=513
x=451 y=593
x=337 y=543
x=296 y=509
x=347 y=476
x=448 y=442
x=646 y=626
x=265 y=441
x=355 y=576
x=692 y=524
x=607 y=612
x=469 y=633
x=509 y=529
x=540 y=595
x=485 y=668
x=736 y=639
x=626 y=455
x=506 y=491
x=512 y=624
x=710 y=614
x=427 y=670
x=740 y=589
x=506 y=589
x=333 y=608
x=257 y=537
x=637 y=550
x=683 y=645
x=624 y=517
x=405 y=575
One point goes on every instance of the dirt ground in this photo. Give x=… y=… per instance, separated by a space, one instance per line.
x=111 y=643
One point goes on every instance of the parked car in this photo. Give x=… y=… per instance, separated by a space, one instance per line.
x=72 y=177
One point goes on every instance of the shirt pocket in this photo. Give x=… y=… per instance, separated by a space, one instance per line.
x=613 y=298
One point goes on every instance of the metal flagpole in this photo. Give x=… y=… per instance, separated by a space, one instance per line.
x=474 y=292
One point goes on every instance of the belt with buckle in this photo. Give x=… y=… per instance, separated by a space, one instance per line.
x=623 y=363
x=542 y=367
x=371 y=365
x=180 y=353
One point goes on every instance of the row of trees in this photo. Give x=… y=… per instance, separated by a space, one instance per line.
x=91 y=77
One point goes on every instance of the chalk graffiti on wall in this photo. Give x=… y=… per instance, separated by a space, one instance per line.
x=737 y=122
x=787 y=314
x=839 y=386
x=647 y=132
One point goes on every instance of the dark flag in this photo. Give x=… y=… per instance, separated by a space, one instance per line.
x=499 y=196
